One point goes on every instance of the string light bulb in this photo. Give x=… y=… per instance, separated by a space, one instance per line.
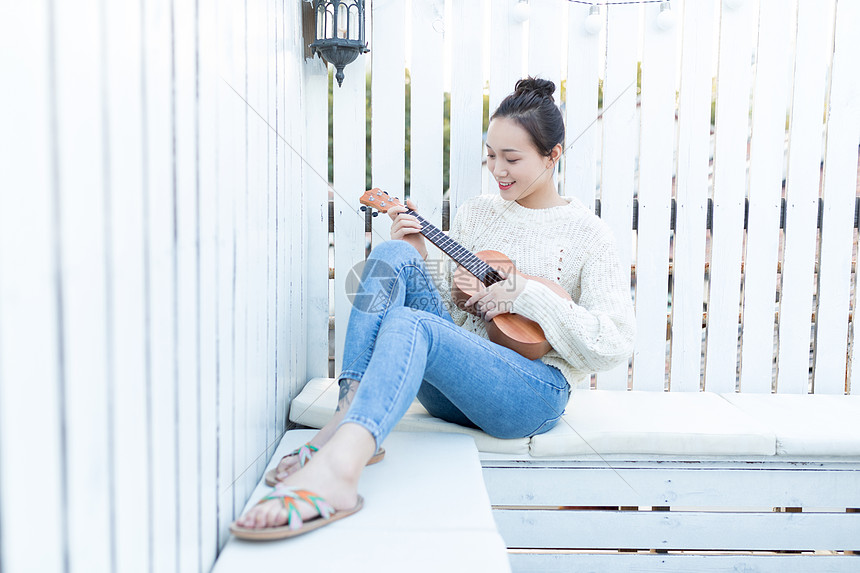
x=593 y=22
x=521 y=11
x=666 y=17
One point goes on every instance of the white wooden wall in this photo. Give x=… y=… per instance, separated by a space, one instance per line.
x=782 y=77
x=153 y=284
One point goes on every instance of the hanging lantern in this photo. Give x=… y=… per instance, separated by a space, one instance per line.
x=339 y=32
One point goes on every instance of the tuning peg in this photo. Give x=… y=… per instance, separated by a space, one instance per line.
x=363 y=208
x=375 y=214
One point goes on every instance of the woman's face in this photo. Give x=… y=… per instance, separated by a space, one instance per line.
x=523 y=174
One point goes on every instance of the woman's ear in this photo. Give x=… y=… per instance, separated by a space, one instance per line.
x=556 y=153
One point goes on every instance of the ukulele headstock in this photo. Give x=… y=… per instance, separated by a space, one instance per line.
x=379 y=200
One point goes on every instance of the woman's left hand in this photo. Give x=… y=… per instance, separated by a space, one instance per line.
x=498 y=298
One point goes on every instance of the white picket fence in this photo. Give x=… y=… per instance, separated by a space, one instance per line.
x=164 y=245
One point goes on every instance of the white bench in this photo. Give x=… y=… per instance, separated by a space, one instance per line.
x=668 y=472
x=425 y=509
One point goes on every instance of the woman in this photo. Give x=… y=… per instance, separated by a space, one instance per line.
x=413 y=341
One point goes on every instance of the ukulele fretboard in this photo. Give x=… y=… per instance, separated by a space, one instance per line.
x=460 y=254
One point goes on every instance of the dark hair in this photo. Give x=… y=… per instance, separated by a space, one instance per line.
x=532 y=107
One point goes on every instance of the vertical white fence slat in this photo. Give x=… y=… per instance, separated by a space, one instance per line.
x=840 y=189
x=767 y=157
x=31 y=429
x=801 y=193
x=78 y=37
x=582 y=128
x=506 y=41
x=428 y=31
x=388 y=106
x=275 y=322
x=187 y=258
x=287 y=308
x=506 y=65
x=210 y=91
x=349 y=181
x=656 y=165
x=253 y=293
x=130 y=440
x=244 y=164
x=546 y=20
x=730 y=166
x=467 y=101
x=160 y=229
x=230 y=148
x=691 y=195
x=314 y=179
x=619 y=148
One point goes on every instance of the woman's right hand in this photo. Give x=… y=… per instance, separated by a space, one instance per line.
x=406 y=227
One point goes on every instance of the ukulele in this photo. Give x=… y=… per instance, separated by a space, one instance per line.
x=474 y=273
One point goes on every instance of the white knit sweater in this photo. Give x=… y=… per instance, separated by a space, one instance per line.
x=570 y=246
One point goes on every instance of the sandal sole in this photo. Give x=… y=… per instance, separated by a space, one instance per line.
x=284 y=531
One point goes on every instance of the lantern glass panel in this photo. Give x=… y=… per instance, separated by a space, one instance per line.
x=353 y=22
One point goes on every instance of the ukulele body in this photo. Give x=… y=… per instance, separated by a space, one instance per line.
x=513 y=331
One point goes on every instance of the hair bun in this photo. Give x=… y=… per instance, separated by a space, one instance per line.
x=535 y=85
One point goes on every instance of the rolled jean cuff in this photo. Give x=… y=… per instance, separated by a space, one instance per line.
x=366 y=423
x=350 y=375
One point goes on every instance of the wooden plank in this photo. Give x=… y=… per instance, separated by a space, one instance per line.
x=238 y=399
x=619 y=145
x=837 y=225
x=506 y=36
x=694 y=484
x=428 y=28
x=668 y=530
x=80 y=113
x=31 y=306
x=210 y=91
x=546 y=19
x=230 y=144
x=694 y=128
x=656 y=166
x=467 y=101
x=730 y=157
x=127 y=280
x=161 y=232
x=802 y=184
x=563 y=562
x=767 y=157
x=349 y=166
x=388 y=109
x=259 y=390
x=582 y=126
x=315 y=181
x=187 y=289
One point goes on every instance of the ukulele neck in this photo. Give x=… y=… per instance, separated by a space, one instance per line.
x=460 y=254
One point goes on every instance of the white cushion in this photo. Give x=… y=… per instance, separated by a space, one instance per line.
x=668 y=423
x=806 y=424
x=316 y=403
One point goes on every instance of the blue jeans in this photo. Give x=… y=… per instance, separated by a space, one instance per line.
x=401 y=343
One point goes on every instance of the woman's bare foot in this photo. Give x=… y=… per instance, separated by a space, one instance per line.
x=332 y=474
x=290 y=463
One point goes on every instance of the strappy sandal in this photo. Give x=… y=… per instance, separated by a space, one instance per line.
x=305 y=452
x=295 y=524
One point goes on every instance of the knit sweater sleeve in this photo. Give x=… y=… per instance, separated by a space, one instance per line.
x=597 y=331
